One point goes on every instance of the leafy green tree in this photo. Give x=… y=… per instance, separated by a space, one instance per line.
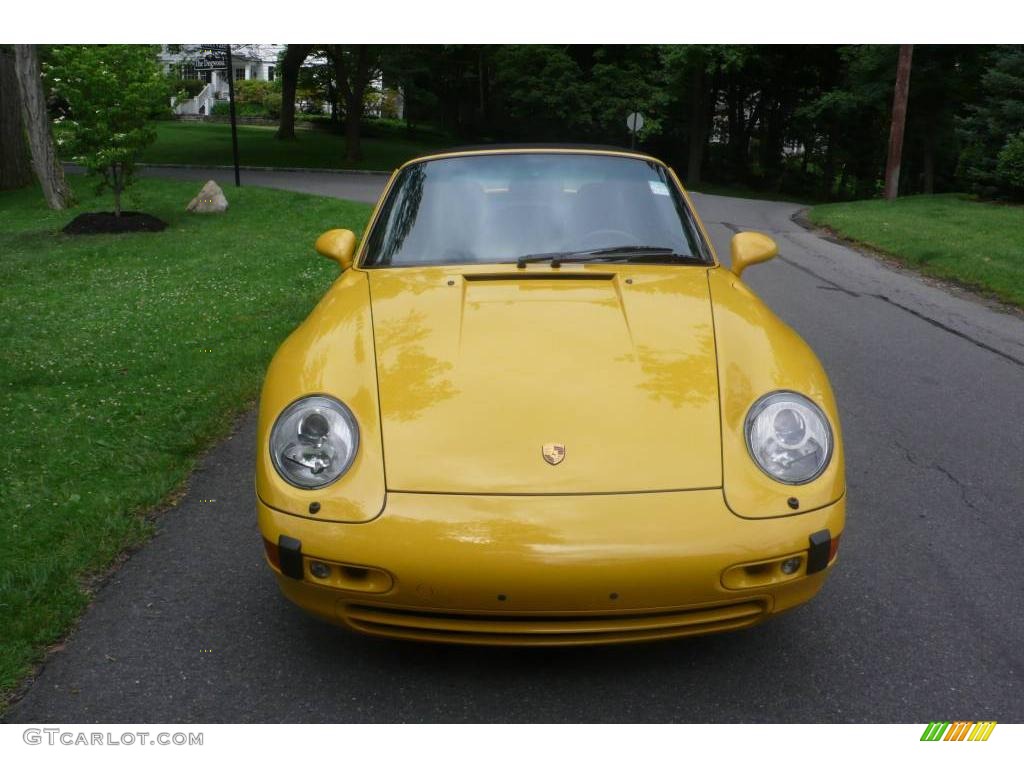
x=449 y=86
x=539 y=94
x=811 y=120
x=848 y=120
x=944 y=78
x=989 y=127
x=689 y=100
x=409 y=69
x=355 y=67
x=112 y=93
x=625 y=79
x=317 y=85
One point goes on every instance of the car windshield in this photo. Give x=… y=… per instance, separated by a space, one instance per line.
x=481 y=209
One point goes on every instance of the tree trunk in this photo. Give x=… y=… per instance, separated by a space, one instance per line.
x=808 y=144
x=739 y=132
x=353 y=90
x=353 y=111
x=15 y=168
x=732 y=111
x=294 y=55
x=747 y=127
x=710 y=115
x=118 y=178
x=774 y=120
x=928 y=162
x=332 y=97
x=480 y=72
x=829 y=165
x=33 y=105
x=698 y=123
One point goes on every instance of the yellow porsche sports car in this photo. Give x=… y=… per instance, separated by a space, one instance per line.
x=535 y=409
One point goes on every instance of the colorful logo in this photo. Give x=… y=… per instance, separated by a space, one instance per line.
x=553 y=453
x=959 y=731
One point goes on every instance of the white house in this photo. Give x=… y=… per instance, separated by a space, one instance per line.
x=250 y=62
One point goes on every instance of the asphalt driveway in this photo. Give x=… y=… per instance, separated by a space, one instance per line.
x=922 y=620
x=351 y=185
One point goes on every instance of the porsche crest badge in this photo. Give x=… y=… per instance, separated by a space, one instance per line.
x=553 y=453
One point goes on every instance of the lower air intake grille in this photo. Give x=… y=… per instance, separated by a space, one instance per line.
x=549 y=629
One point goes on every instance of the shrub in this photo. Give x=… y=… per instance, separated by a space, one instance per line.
x=253 y=98
x=254 y=91
x=185 y=89
x=311 y=107
x=1010 y=164
x=381 y=102
x=223 y=109
x=272 y=105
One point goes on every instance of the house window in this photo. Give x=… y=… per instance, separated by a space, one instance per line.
x=240 y=73
x=270 y=73
x=206 y=76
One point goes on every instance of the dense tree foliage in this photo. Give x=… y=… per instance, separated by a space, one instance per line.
x=109 y=95
x=993 y=128
x=801 y=119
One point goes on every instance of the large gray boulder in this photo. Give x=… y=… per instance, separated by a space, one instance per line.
x=209 y=200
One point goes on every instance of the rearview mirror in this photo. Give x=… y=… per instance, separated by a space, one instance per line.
x=751 y=248
x=337 y=244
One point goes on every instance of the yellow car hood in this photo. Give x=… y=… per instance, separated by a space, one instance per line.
x=478 y=368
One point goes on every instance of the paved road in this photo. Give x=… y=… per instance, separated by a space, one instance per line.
x=923 y=620
x=365 y=187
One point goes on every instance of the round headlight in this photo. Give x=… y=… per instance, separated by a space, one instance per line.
x=314 y=441
x=789 y=437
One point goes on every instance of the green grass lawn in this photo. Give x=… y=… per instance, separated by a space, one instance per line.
x=980 y=245
x=210 y=144
x=123 y=357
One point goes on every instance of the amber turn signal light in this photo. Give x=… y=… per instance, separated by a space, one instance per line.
x=273 y=553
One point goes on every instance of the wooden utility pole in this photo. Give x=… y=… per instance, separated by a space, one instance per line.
x=899 y=120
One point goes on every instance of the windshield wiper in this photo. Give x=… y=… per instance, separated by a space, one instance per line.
x=630 y=253
x=668 y=256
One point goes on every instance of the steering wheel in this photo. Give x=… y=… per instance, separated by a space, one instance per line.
x=598 y=238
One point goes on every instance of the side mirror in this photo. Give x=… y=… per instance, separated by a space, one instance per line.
x=337 y=244
x=751 y=248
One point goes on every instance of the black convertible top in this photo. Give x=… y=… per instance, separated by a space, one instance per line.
x=538 y=145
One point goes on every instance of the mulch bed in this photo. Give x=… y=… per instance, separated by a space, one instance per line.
x=107 y=223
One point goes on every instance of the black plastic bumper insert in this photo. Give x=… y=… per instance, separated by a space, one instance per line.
x=291 y=555
x=817 y=554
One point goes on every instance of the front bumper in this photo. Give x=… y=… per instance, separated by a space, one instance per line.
x=550 y=569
